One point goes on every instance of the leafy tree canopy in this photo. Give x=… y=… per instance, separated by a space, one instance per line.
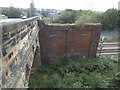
x=45 y=13
x=12 y=12
x=108 y=19
x=68 y=16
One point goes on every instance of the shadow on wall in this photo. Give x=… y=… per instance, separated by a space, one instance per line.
x=37 y=59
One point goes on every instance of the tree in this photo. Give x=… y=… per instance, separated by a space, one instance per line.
x=110 y=19
x=32 y=10
x=12 y=12
x=88 y=17
x=4 y=11
x=45 y=14
x=28 y=13
x=47 y=17
x=68 y=16
x=119 y=19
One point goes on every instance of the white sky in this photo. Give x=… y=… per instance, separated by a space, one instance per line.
x=95 y=5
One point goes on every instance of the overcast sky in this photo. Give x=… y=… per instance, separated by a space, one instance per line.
x=95 y=5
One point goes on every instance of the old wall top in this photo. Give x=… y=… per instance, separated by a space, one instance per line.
x=86 y=26
x=8 y=26
x=11 y=29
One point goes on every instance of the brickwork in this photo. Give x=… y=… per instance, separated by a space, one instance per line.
x=58 y=41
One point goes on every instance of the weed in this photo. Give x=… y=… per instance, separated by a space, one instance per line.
x=81 y=73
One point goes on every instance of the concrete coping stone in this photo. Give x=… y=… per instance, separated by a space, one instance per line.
x=8 y=26
x=57 y=24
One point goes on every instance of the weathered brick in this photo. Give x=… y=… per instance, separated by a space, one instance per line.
x=58 y=41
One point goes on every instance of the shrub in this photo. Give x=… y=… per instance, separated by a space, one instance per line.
x=81 y=73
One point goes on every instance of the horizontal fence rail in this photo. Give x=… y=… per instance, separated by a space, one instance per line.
x=108 y=49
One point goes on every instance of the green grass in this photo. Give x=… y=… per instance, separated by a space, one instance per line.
x=113 y=39
x=100 y=72
x=111 y=36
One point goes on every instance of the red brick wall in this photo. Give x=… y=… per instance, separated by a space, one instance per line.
x=75 y=42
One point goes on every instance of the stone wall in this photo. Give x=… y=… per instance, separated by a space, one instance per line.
x=19 y=42
x=59 y=41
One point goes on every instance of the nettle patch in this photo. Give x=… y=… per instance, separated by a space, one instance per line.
x=100 y=72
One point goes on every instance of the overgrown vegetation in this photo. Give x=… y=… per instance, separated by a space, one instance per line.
x=110 y=36
x=100 y=72
x=47 y=17
x=112 y=39
x=68 y=16
x=109 y=18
